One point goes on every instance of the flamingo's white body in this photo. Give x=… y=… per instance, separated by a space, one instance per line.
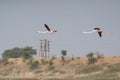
x=90 y=32
x=98 y=30
x=48 y=30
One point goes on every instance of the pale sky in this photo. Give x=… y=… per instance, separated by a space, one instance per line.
x=20 y=19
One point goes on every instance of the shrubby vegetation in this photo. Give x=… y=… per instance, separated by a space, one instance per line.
x=64 y=53
x=16 y=52
x=91 y=59
x=33 y=64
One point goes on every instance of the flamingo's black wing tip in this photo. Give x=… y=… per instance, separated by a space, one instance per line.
x=45 y=24
x=100 y=34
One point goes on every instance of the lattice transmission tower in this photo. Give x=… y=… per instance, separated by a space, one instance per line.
x=44 y=48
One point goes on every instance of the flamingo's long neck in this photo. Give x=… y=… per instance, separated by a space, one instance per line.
x=110 y=33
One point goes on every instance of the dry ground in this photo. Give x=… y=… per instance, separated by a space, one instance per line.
x=73 y=68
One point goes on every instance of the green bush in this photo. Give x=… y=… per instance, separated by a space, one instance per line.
x=33 y=64
x=64 y=53
x=26 y=56
x=91 y=59
x=16 y=52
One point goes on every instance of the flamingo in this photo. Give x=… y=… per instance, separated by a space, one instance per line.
x=96 y=29
x=48 y=30
x=99 y=31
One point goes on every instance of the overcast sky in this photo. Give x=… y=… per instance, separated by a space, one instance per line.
x=20 y=19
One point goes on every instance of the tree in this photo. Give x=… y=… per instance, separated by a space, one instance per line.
x=26 y=52
x=64 y=53
x=91 y=59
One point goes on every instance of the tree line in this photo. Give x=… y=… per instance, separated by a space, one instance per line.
x=25 y=52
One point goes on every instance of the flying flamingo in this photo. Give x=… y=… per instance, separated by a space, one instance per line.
x=98 y=30
x=48 y=30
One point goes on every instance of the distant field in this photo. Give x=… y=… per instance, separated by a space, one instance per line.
x=72 y=68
